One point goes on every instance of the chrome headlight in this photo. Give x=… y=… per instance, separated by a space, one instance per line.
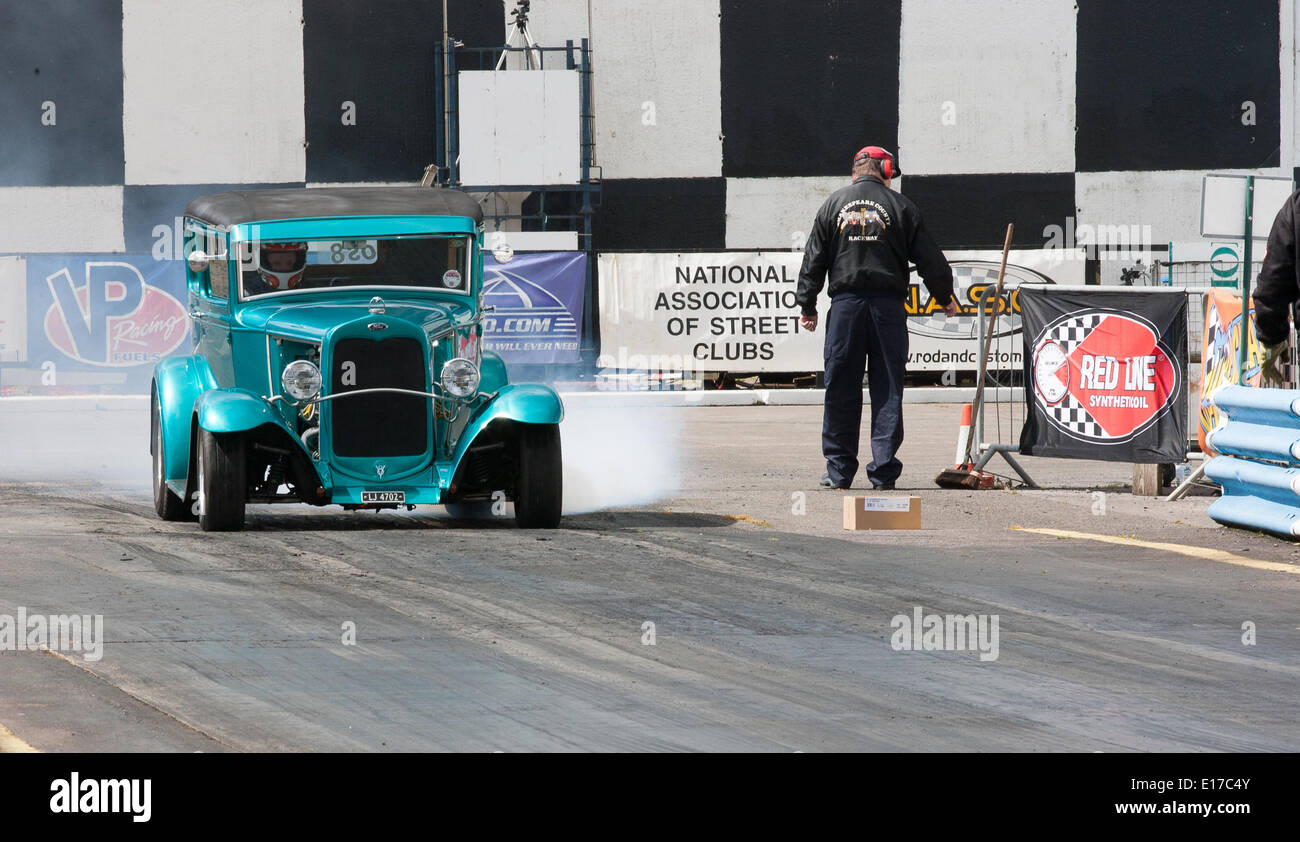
x=301 y=380
x=460 y=378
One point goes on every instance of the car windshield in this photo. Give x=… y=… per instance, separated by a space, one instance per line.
x=430 y=262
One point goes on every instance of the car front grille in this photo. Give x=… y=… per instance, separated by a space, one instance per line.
x=384 y=423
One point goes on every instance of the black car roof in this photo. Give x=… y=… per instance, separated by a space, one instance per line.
x=240 y=206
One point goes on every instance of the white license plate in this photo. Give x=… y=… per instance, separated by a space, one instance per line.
x=383 y=497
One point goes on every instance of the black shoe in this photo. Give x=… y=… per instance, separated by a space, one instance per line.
x=884 y=486
x=827 y=482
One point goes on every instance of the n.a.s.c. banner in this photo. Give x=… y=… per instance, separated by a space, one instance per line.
x=1105 y=370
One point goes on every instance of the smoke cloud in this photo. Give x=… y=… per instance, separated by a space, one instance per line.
x=76 y=440
x=619 y=455
x=614 y=456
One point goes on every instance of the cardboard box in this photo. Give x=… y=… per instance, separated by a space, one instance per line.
x=882 y=512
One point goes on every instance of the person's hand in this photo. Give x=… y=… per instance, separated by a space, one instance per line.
x=808 y=323
x=1275 y=356
x=952 y=308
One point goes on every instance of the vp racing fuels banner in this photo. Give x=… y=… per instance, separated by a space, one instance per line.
x=1106 y=370
x=100 y=321
x=736 y=311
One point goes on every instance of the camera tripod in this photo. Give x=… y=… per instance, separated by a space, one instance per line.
x=520 y=39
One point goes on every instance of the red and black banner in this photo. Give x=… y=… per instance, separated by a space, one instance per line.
x=1105 y=373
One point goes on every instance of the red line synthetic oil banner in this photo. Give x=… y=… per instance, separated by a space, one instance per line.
x=1106 y=374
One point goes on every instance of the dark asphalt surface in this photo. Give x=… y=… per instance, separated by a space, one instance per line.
x=772 y=625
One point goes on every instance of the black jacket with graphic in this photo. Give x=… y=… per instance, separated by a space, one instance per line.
x=1278 y=286
x=864 y=236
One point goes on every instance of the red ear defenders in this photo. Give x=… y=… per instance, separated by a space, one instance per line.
x=888 y=167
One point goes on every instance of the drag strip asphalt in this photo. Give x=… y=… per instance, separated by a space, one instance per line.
x=772 y=627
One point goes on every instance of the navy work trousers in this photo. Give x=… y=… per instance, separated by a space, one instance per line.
x=864 y=333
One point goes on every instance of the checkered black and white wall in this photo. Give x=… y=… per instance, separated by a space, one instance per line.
x=719 y=123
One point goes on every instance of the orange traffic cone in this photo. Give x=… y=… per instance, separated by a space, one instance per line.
x=963 y=435
x=963 y=473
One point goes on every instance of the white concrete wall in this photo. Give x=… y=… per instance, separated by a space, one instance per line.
x=1170 y=202
x=775 y=213
x=1001 y=71
x=213 y=93
x=61 y=219
x=666 y=53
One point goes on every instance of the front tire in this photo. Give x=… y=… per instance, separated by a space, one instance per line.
x=223 y=481
x=539 y=487
x=165 y=502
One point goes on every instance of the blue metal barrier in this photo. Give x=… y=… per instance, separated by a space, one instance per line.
x=1258 y=441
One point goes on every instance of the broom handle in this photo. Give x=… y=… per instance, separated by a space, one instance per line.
x=978 y=406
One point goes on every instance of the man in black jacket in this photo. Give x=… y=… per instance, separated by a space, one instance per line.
x=864 y=236
x=1278 y=287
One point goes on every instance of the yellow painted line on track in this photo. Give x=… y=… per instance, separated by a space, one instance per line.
x=1203 y=553
x=9 y=744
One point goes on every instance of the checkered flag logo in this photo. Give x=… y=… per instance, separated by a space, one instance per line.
x=965 y=275
x=1071 y=416
x=1070 y=333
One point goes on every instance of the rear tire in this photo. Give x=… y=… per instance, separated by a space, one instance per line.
x=223 y=481
x=539 y=487
x=165 y=502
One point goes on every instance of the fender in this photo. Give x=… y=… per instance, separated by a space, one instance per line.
x=178 y=382
x=529 y=403
x=492 y=372
x=236 y=411
x=242 y=411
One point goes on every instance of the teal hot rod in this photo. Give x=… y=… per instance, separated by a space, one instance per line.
x=338 y=359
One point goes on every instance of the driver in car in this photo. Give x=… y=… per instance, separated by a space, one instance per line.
x=279 y=267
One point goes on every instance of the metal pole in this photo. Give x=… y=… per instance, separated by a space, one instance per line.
x=453 y=122
x=979 y=343
x=439 y=131
x=1242 y=352
x=591 y=92
x=446 y=89
x=587 y=145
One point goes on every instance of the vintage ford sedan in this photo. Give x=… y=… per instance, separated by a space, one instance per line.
x=338 y=359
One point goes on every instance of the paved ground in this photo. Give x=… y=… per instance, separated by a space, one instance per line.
x=772 y=625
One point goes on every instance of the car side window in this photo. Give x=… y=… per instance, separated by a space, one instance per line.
x=213 y=276
x=218 y=279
